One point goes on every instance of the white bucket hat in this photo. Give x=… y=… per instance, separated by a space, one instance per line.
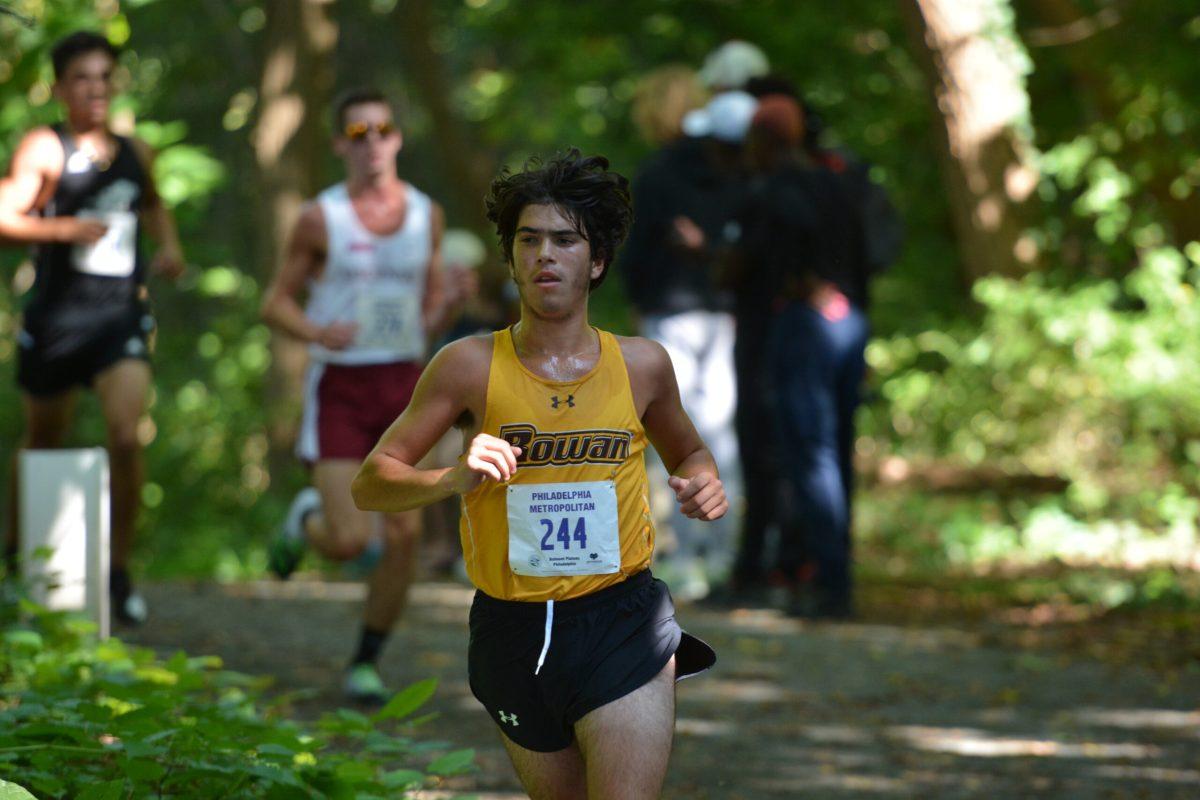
x=732 y=64
x=462 y=248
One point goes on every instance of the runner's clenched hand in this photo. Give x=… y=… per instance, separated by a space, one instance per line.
x=700 y=497
x=486 y=457
x=337 y=335
x=169 y=263
x=79 y=230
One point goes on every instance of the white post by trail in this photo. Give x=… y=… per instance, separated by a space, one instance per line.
x=65 y=509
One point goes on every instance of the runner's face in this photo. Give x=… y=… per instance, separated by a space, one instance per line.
x=552 y=263
x=369 y=140
x=85 y=88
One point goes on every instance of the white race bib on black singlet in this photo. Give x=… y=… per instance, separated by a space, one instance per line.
x=115 y=254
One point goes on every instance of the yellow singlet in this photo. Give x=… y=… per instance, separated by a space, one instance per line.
x=580 y=485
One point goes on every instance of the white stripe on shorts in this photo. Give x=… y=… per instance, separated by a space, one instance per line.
x=308 y=444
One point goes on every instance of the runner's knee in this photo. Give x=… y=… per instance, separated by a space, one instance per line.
x=123 y=438
x=45 y=430
x=346 y=540
x=401 y=534
x=43 y=438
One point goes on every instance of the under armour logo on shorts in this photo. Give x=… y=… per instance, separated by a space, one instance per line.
x=509 y=719
x=555 y=402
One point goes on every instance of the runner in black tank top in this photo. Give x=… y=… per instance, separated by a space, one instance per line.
x=70 y=311
x=80 y=195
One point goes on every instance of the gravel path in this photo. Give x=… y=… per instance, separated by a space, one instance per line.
x=792 y=710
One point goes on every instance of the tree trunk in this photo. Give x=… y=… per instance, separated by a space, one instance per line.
x=294 y=91
x=469 y=164
x=984 y=149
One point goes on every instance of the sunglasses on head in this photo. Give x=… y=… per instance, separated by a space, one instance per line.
x=357 y=131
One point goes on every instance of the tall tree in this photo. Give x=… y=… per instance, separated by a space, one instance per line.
x=974 y=66
x=294 y=90
x=468 y=165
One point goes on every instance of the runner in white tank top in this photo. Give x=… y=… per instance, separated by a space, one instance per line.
x=366 y=252
x=376 y=282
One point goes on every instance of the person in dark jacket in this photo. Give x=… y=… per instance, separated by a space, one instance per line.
x=802 y=290
x=685 y=194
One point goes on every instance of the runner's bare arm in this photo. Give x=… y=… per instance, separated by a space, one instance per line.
x=28 y=186
x=452 y=391
x=433 y=304
x=303 y=259
x=158 y=220
x=694 y=475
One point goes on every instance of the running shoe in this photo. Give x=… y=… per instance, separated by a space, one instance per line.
x=131 y=610
x=362 y=565
x=363 y=685
x=287 y=548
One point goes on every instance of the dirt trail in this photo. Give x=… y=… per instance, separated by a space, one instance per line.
x=793 y=709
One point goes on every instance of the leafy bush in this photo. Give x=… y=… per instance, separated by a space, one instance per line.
x=97 y=720
x=1093 y=382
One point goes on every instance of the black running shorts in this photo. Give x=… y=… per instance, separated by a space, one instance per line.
x=601 y=647
x=50 y=361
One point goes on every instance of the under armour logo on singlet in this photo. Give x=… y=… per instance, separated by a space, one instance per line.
x=555 y=402
x=509 y=719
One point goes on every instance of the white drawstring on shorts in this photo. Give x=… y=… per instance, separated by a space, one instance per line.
x=546 y=636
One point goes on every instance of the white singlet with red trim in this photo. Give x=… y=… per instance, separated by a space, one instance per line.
x=374 y=282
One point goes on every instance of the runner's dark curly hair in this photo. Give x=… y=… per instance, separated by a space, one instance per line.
x=593 y=198
x=77 y=44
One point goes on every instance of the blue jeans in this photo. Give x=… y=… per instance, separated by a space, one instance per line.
x=818 y=367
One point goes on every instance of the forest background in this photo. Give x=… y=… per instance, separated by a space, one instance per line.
x=1034 y=401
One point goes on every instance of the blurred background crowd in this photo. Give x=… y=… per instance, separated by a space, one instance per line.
x=1024 y=340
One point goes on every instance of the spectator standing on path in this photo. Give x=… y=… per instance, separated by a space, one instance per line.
x=574 y=645
x=81 y=195
x=367 y=253
x=882 y=227
x=880 y=234
x=802 y=241
x=686 y=193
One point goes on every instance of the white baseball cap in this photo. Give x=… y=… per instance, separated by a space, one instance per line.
x=726 y=117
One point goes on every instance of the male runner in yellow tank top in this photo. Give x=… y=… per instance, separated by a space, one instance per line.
x=574 y=646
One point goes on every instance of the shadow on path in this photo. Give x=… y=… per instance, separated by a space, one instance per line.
x=792 y=709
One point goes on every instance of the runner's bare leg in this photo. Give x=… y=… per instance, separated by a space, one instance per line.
x=122 y=390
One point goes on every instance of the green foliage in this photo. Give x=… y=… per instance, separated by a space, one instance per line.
x=195 y=100
x=88 y=719
x=1094 y=383
x=1083 y=371
x=1069 y=380
x=207 y=446
x=10 y=791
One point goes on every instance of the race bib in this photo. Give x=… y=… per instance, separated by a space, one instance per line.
x=389 y=321
x=563 y=529
x=115 y=254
